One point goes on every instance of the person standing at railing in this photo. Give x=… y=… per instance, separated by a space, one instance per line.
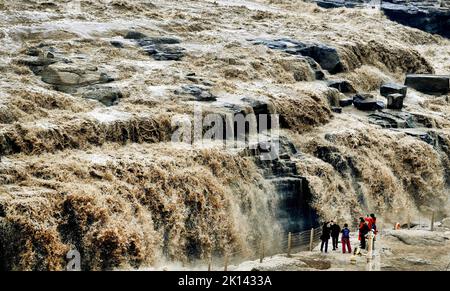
x=325 y=237
x=335 y=231
x=363 y=231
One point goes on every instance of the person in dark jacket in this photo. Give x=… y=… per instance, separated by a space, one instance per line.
x=363 y=231
x=345 y=239
x=335 y=231
x=325 y=237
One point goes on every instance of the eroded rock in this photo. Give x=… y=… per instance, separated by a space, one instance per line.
x=367 y=102
x=346 y=102
x=105 y=94
x=161 y=48
x=429 y=84
x=395 y=101
x=199 y=92
x=392 y=88
x=326 y=56
x=430 y=19
x=343 y=86
x=68 y=77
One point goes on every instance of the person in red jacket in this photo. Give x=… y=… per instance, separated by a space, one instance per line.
x=369 y=221
x=373 y=226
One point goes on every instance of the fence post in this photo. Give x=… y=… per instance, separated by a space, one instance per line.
x=369 y=266
x=370 y=248
x=432 y=221
x=261 y=252
x=225 y=268
x=209 y=262
x=289 y=244
x=311 y=240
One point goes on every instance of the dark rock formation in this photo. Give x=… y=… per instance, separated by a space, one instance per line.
x=395 y=101
x=337 y=3
x=392 y=88
x=392 y=119
x=336 y=109
x=345 y=102
x=134 y=35
x=400 y=119
x=116 y=43
x=430 y=19
x=318 y=73
x=327 y=57
x=294 y=209
x=429 y=84
x=367 y=102
x=430 y=16
x=161 y=48
x=343 y=86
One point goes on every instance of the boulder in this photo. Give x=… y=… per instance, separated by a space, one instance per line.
x=330 y=3
x=162 y=40
x=134 y=35
x=116 y=43
x=200 y=93
x=392 y=119
x=343 y=86
x=68 y=76
x=106 y=95
x=326 y=56
x=162 y=48
x=367 y=102
x=429 y=84
x=392 y=88
x=337 y=3
x=395 y=101
x=39 y=58
x=336 y=109
x=345 y=102
x=430 y=19
x=420 y=134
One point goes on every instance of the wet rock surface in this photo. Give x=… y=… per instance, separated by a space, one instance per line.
x=343 y=86
x=431 y=84
x=395 y=101
x=107 y=95
x=200 y=93
x=327 y=57
x=161 y=48
x=367 y=102
x=392 y=88
x=432 y=16
x=295 y=209
x=431 y=19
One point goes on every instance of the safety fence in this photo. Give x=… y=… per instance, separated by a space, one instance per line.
x=422 y=221
x=285 y=244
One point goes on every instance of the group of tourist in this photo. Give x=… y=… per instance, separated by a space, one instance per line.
x=332 y=230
